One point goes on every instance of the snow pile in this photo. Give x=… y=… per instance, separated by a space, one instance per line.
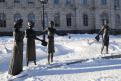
x=68 y=49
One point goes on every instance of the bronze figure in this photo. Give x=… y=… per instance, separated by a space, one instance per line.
x=16 y=63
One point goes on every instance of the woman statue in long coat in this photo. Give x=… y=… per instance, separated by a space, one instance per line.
x=31 y=49
x=16 y=64
x=51 y=50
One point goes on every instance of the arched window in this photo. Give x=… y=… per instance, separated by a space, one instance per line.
x=16 y=1
x=31 y=17
x=117 y=20
x=104 y=2
x=116 y=4
x=84 y=2
x=68 y=2
x=104 y=17
x=2 y=0
x=46 y=20
x=30 y=1
x=69 y=19
x=2 y=20
x=85 y=19
x=56 y=2
x=57 y=19
x=17 y=16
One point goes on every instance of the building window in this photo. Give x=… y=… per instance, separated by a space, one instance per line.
x=31 y=17
x=17 y=16
x=68 y=2
x=46 y=20
x=84 y=2
x=2 y=0
x=116 y=4
x=30 y=1
x=103 y=2
x=85 y=20
x=57 y=19
x=56 y=2
x=2 y=20
x=69 y=19
x=16 y=1
x=104 y=17
x=117 y=20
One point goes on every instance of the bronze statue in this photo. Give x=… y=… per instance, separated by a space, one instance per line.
x=105 y=36
x=50 y=32
x=31 y=49
x=16 y=63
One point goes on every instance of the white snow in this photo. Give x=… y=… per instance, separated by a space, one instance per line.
x=79 y=46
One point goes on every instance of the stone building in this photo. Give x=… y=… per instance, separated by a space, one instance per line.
x=77 y=16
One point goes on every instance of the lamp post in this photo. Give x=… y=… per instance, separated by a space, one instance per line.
x=43 y=2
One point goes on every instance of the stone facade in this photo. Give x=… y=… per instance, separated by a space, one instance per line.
x=93 y=11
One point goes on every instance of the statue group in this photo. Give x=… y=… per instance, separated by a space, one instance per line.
x=16 y=63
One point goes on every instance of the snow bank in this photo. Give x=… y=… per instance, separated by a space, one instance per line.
x=68 y=48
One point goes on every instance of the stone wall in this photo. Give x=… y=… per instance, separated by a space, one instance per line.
x=93 y=9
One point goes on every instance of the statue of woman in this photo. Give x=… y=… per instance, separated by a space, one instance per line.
x=31 y=49
x=16 y=63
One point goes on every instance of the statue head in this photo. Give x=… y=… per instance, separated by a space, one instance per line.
x=105 y=22
x=31 y=24
x=51 y=24
x=18 y=23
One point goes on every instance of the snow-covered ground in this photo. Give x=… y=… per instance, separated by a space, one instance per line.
x=79 y=46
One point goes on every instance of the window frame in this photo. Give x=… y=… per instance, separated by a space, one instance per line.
x=116 y=4
x=69 y=20
x=103 y=2
x=56 y=2
x=2 y=1
x=2 y=20
x=85 y=20
x=57 y=19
